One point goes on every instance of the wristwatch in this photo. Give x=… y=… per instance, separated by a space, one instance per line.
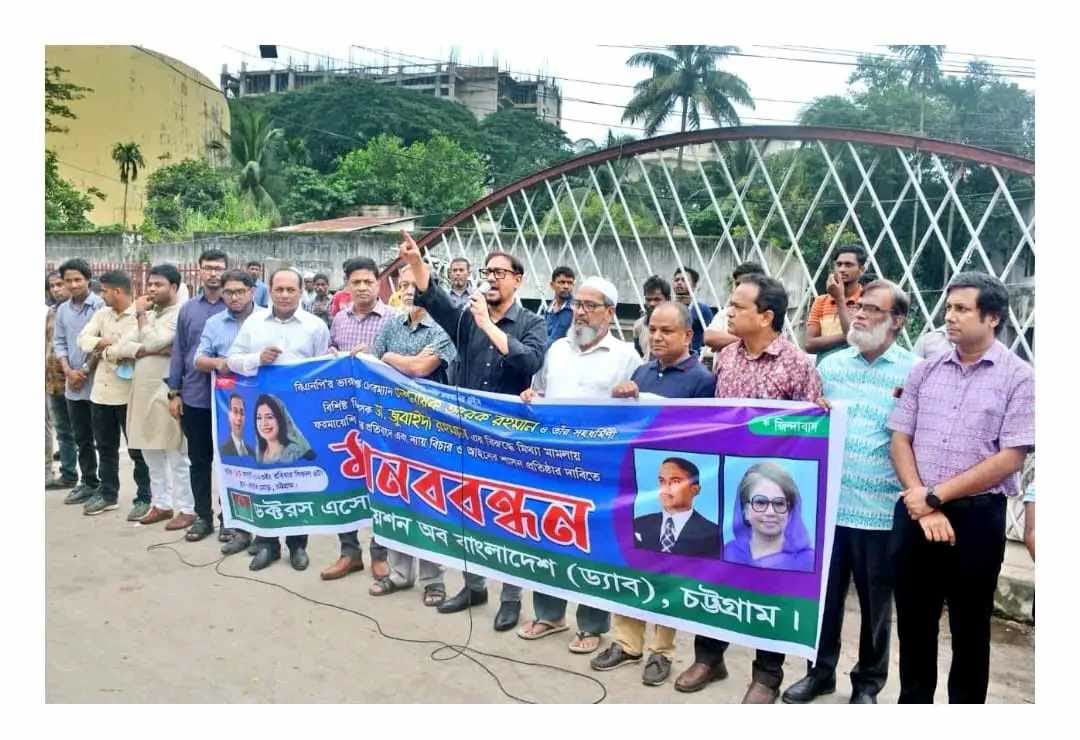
x=932 y=499
x=173 y=394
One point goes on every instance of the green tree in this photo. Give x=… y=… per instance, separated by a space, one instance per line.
x=129 y=159
x=65 y=206
x=517 y=143
x=685 y=76
x=252 y=144
x=310 y=196
x=439 y=178
x=189 y=185
x=371 y=175
x=57 y=96
x=923 y=65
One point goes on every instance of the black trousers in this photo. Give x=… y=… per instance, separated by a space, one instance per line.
x=964 y=576
x=861 y=555
x=768 y=667
x=82 y=426
x=109 y=423
x=274 y=543
x=198 y=429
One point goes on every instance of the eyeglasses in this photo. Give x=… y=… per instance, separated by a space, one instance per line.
x=212 y=268
x=588 y=306
x=236 y=293
x=498 y=273
x=760 y=503
x=870 y=309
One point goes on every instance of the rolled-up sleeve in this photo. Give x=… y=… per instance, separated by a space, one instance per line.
x=91 y=333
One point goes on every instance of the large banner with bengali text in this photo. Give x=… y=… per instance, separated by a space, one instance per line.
x=714 y=517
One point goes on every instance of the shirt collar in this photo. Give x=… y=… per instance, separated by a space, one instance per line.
x=380 y=309
x=129 y=311
x=892 y=354
x=605 y=344
x=682 y=366
x=425 y=319
x=679 y=518
x=993 y=355
x=775 y=347
x=202 y=297
x=93 y=302
x=271 y=317
x=513 y=313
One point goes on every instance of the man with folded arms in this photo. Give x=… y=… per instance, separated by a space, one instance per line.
x=868 y=375
x=585 y=363
x=673 y=372
x=961 y=431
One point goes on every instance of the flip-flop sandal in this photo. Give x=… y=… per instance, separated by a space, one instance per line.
x=385 y=586
x=434 y=594
x=524 y=632
x=574 y=647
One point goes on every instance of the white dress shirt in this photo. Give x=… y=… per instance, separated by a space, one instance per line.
x=301 y=336
x=568 y=372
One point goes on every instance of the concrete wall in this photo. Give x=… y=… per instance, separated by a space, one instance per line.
x=166 y=107
x=326 y=251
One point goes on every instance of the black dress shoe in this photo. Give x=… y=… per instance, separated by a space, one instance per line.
x=237 y=543
x=462 y=600
x=861 y=697
x=808 y=688
x=507 y=616
x=298 y=558
x=264 y=557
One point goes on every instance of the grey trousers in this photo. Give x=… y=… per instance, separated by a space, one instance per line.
x=403 y=570
x=553 y=609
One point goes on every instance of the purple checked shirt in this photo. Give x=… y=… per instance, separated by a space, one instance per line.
x=959 y=416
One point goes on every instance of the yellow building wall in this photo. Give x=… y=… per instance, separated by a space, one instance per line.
x=169 y=109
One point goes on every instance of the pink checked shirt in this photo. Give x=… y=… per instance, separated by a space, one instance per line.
x=782 y=372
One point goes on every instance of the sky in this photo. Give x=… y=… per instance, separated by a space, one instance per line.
x=595 y=81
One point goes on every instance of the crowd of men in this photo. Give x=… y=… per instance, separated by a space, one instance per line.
x=935 y=439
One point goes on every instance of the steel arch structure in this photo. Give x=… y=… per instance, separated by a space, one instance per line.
x=785 y=196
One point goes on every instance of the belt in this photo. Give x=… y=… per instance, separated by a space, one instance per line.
x=979 y=500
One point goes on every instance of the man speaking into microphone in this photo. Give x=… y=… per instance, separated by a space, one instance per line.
x=500 y=346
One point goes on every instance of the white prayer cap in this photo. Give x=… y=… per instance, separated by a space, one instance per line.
x=606 y=288
x=309 y=275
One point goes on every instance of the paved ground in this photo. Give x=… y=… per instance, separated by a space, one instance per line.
x=127 y=625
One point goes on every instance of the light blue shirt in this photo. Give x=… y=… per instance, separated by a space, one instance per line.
x=69 y=322
x=868 y=484
x=1029 y=494
x=218 y=334
x=262 y=295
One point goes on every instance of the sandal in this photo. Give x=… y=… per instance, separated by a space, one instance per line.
x=384 y=586
x=525 y=632
x=434 y=594
x=580 y=646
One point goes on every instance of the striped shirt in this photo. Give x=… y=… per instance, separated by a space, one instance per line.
x=959 y=416
x=868 y=484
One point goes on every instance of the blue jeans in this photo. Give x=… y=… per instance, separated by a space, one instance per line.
x=589 y=619
x=65 y=437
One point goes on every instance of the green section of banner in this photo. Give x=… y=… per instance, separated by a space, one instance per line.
x=790 y=426
x=770 y=617
x=300 y=509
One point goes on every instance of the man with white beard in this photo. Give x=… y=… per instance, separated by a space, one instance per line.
x=869 y=375
x=586 y=363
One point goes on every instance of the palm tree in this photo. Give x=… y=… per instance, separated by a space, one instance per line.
x=924 y=71
x=686 y=76
x=252 y=146
x=129 y=157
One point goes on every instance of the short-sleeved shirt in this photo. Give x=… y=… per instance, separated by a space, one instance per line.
x=570 y=372
x=348 y=330
x=958 y=416
x=782 y=372
x=825 y=314
x=342 y=299
x=558 y=322
x=399 y=336
x=685 y=379
x=868 y=484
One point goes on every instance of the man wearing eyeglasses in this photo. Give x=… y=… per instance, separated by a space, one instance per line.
x=500 y=346
x=585 y=363
x=869 y=375
x=762 y=364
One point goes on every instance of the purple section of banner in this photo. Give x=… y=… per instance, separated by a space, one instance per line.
x=700 y=429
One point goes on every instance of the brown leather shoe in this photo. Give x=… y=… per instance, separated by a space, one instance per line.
x=759 y=693
x=180 y=521
x=344 y=566
x=156 y=515
x=697 y=677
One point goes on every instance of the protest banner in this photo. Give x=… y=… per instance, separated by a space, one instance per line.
x=277 y=474
x=570 y=498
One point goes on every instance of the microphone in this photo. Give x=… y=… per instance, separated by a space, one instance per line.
x=482 y=288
